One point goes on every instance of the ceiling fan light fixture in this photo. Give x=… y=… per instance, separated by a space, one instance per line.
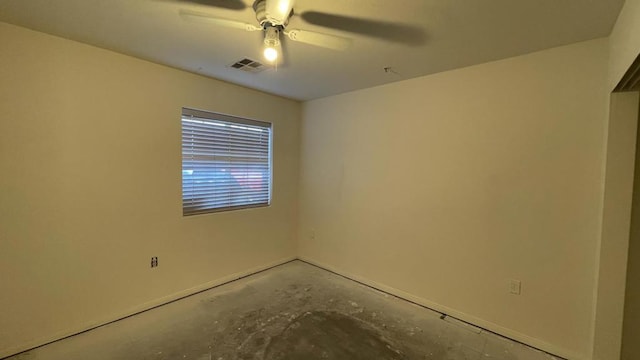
x=271 y=43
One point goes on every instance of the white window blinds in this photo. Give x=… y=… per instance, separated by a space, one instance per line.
x=226 y=162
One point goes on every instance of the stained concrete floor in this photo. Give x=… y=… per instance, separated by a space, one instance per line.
x=293 y=311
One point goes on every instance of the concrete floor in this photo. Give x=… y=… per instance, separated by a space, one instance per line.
x=293 y=311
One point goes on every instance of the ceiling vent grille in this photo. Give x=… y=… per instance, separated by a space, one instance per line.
x=248 y=65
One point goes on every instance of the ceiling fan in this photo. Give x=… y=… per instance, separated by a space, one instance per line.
x=273 y=17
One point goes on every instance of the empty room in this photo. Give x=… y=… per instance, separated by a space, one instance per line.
x=279 y=179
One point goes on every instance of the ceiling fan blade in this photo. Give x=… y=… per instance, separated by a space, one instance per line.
x=319 y=39
x=385 y=30
x=196 y=16
x=223 y=4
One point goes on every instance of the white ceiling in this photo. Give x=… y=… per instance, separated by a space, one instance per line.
x=456 y=33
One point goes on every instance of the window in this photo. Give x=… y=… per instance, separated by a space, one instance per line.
x=226 y=162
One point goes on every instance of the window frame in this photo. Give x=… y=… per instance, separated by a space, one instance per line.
x=214 y=116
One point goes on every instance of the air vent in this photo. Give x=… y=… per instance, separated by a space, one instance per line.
x=249 y=65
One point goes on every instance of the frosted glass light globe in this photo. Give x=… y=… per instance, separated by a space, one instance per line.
x=270 y=54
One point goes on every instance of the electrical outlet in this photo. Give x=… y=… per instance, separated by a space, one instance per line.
x=154 y=261
x=515 y=287
x=312 y=234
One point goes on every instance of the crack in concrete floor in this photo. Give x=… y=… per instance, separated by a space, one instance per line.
x=293 y=311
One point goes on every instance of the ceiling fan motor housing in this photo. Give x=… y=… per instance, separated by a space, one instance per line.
x=267 y=16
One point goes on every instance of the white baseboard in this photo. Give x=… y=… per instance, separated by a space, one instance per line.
x=140 y=308
x=500 y=330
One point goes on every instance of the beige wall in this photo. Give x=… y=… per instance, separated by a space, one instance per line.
x=624 y=47
x=91 y=187
x=445 y=187
x=616 y=221
x=624 y=41
x=630 y=344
